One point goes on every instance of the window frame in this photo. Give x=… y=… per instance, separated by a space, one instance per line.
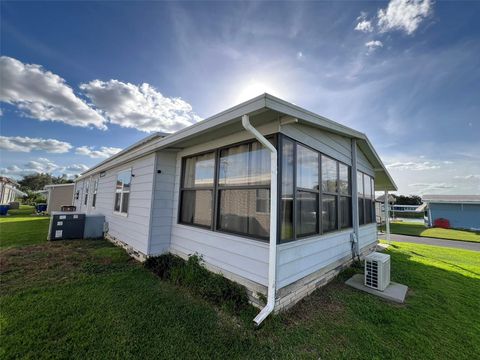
x=363 y=198
x=320 y=193
x=122 y=192
x=217 y=188
x=94 y=193
x=183 y=188
x=86 y=186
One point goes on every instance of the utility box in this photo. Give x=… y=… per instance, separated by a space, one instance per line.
x=94 y=226
x=66 y=225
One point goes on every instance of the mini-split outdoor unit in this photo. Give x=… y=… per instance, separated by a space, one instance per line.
x=377 y=271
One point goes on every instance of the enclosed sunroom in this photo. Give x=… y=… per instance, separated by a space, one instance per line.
x=272 y=196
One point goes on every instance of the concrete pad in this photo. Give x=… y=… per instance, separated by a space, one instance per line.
x=382 y=247
x=394 y=292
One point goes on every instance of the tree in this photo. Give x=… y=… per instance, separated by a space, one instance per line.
x=408 y=200
x=35 y=182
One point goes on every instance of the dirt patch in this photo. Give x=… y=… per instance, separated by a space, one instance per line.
x=50 y=263
x=323 y=302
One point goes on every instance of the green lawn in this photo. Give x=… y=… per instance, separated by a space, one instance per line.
x=87 y=299
x=23 y=210
x=415 y=229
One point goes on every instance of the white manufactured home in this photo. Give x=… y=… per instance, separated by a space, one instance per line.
x=272 y=196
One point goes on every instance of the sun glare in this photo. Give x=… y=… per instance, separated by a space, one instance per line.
x=254 y=89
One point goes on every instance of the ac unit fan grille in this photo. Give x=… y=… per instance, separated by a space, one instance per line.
x=371 y=277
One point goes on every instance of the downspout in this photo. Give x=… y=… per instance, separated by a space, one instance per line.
x=272 y=257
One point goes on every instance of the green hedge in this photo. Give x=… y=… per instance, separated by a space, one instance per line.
x=194 y=276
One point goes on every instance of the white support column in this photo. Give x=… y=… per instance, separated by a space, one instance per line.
x=355 y=219
x=387 y=217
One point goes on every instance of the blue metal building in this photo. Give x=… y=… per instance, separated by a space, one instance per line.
x=462 y=211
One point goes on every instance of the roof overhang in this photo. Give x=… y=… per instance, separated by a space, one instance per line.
x=262 y=109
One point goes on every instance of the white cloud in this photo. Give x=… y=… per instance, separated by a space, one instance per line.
x=43 y=95
x=300 y=55
x=103 y=152
x=404 y=15
x=364 y=26
x=27 y=144
x=140 y=107
x=42 y=165
x=75 y=168
x=411 y=165
x=424 y=188
x=374 y=44
x=468 y=177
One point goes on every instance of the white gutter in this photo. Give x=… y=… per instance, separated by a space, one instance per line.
x=272 y=257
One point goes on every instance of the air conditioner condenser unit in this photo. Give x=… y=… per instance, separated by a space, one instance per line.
x=377 y=271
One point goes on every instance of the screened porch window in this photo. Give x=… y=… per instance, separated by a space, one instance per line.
x=228 y=190
x=307 y=192
x=244 y=190
x=315 y=193
x=122 y=191
x=366 y=203
x=197 y=190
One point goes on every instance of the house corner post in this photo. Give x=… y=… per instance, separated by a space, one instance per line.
x=355 y=219
x=387 y=216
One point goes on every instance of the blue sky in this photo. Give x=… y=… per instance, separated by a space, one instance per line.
x=81 y=80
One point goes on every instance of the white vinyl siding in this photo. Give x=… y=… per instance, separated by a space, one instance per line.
x=132 y=229
x=162 y=204
x=298 y=259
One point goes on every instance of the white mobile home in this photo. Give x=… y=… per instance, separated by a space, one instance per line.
x=272 y=196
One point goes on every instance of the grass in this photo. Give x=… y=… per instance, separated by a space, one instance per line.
x=23 y=210
x=21 y=230
x=414 y=229
x=87 y=299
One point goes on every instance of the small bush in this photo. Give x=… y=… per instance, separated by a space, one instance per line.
x=194 y=276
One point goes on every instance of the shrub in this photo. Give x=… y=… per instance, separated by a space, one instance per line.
x=194 y=276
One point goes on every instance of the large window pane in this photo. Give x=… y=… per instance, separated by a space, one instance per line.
x=118 y=197
x=234 y=165
x=361 y=212
x=360 y=183
x=125 y=199
x=197 y=207
x=307 y=213
x=344 y=179
x=368 y=211
x=307 y=168
x=368 y=186
x=199 y=171
x=345 y=212
x=237 y=212
x=286 y=217
x=259 y=165
x=329 y=213
x=329 y=175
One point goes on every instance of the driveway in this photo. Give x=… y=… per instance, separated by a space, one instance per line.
x=433 y=241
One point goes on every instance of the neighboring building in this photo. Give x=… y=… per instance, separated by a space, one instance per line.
x=9 y=190
x=380 y=207
x=462 y=211
x=58 y=195
x=207 y=189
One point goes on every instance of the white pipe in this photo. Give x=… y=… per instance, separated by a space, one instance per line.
x=387 y=217
x=272 y=257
